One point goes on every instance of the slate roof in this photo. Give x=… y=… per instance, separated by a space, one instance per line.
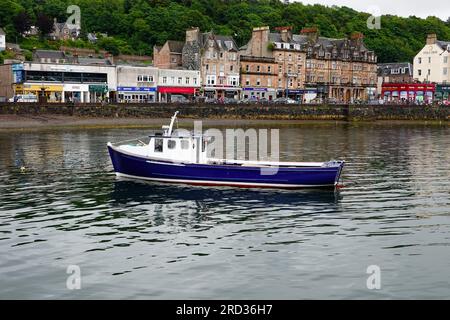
x=385 y=69
x=175 y=46
x=49 y=54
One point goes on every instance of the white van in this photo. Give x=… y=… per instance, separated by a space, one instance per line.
x=24 y=98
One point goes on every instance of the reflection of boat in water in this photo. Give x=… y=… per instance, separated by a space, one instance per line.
x=127 y=191
x=183 y=158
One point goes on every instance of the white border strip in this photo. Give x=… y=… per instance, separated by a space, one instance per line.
x=226 y=183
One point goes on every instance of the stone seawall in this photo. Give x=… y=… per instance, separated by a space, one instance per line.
x=254 y=111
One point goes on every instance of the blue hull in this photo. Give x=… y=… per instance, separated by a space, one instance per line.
x=231 y=175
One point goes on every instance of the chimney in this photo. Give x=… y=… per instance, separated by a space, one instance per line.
x=357 y=38
x=286 y=34
x=260 y=42
x=192 y=35
x=432 y=38
x=312 y=33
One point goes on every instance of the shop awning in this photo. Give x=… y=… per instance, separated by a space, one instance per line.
x=180 y=90
x=99 y=88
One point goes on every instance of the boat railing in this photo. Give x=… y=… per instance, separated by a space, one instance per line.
x=142 y=141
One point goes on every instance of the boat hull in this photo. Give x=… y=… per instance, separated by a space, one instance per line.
x=135 y=167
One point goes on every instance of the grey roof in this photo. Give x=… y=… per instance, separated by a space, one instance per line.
x=175 y=46
x=385 y=69
x=94 y=61
x=444 y=44
x=49 y=54
x=2 y=32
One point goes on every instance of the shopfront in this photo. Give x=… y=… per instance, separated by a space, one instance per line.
x=222 y=92
x=413 y=92
x=442 y=93
x=136 y=94
x=302 y=95
x=165 y=93
x=259 y=93
x=45 y=92
x=98 y=93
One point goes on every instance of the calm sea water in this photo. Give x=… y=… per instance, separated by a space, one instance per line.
x=143 y=240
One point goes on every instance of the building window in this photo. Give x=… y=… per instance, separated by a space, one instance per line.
x=269 y=69
x=247 y=82
x=221 y=55
x=419 y=72
x=429 y=59
x=164 y=80
x=429 y=72
x=187 y=80
x=221 y=68
x=420 y=60
x=445 y=71
x=446 y=59
x=258 y=68
x=195 y=80
x=247 y=68
x=210 y=80
x=231 y=68
x=269 y=82
x=258 y=81
x=180 y=80
x=139 y=78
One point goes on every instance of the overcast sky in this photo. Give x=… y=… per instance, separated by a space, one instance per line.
x=405 y=8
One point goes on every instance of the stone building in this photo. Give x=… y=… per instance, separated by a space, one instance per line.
x=169 y=56
x=401 y=72
x=432 y=63
x=64 y=31
x=259 y=70
x=217 y=58
x=309 y=65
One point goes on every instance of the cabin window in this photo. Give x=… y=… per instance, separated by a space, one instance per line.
x=171 y=144
x=184 y=144
x=159 y=145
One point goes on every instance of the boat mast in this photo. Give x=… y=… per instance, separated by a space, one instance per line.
x=172 y=121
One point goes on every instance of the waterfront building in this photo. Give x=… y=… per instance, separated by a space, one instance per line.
x=69 y=82
x=9 y=75
x=217 y=58
x=432 y=63
x=177 y=82
x=2 y=40
x=169 y=55
x=136 y=83
x=339 y=69
x=259 y=70
x=398 y=72
x=408 y=92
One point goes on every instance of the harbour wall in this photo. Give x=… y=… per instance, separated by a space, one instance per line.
x=240 y=111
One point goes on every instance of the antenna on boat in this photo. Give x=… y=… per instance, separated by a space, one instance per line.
x=169 y=128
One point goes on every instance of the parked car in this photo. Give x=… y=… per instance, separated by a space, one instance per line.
x=178 y=98
x=230 y=101
x=285 y=101
x=24 y=98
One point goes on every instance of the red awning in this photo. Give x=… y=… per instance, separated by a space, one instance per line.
x=181 y=90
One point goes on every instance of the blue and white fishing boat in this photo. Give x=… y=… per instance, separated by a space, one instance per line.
x=179 y=158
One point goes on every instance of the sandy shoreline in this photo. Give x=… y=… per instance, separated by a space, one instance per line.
x=24 y=122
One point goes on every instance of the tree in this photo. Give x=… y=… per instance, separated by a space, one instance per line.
x=44 y=23
x=22 y=22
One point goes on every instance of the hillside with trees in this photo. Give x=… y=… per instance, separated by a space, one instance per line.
x=134 y=26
